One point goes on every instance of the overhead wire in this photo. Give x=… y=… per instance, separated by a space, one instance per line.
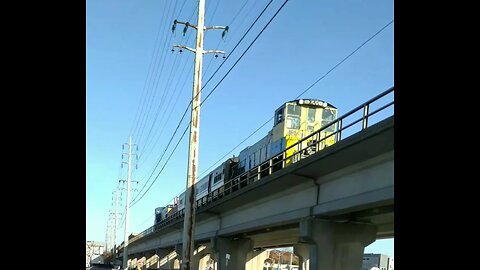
x=241 y=56
x=304 y=91
x=263 y=29
x=167 y=90
x=238 y=43
x=155 y=86
x=218 y=83
x=161 y=170
x=141 y=117
x=158 y=137
x=142 y=96
x=158 y=79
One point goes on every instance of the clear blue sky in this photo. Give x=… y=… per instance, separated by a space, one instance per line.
x=127 y=66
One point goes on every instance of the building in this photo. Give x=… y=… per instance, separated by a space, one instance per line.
x=383 y=262
x=94 y=250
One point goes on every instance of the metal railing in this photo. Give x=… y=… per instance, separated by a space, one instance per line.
x=302 y=149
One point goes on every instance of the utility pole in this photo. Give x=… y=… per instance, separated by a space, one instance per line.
x=127 y=202
x=107 y=239
x=115 y=216
x=189 y=218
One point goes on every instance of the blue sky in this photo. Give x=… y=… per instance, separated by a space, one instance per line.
x=136 y=85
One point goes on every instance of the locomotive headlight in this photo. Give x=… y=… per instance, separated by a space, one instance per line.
x=300 y=101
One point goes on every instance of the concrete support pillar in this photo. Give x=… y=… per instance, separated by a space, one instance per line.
x=303 y=252
x=165 y=259
x=132 y=262
x=200 y=259
x=198 y=255
x=178 y=250
x=256 y=259
x=203 y=262
x=178 y=260
x=153 y=258
x=231 y=254
x=152 y=261
x=333 y=246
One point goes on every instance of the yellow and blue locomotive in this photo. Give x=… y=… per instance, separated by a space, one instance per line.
x=293 y=122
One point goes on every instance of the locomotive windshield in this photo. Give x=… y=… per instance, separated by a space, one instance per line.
x=293 y=116
x=328 y=116
x=311 y=115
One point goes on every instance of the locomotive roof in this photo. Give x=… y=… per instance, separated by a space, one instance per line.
x=310 y=101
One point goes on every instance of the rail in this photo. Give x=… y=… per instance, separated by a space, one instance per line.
x=302 y=149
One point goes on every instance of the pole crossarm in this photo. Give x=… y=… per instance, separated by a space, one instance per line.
x=184 y=47
x=205 y=28
x=187 y=24
x=213 y=51
x=193 y=50
x=216 y=27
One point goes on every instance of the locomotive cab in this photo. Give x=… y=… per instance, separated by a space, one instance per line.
x=298 y=119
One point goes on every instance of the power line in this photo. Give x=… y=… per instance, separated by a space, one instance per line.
x=238 y=12
x=161 y=170
x=147 y=154
x=222 y=158
x=217 y=83
x=241 y=56
x=153 y=75
x=164 y=152
x=155 y=52
x=156 y=81
x=167 y=86
x=304 y=91
x=343 y=60
x=238 y=43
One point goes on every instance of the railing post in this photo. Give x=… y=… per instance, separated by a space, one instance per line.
x=270 y=164
x=339 y=130
x=365 y=116
x=259 y=171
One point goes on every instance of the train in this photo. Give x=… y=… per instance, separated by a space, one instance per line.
x=293 y=121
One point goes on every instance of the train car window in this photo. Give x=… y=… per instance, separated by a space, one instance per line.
x=311 y=115
x=202 y=188
x=293 y=122
x=294 y=110
x=217 y=178
x=328 y=116
x=293 y=116
x=279 y=116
